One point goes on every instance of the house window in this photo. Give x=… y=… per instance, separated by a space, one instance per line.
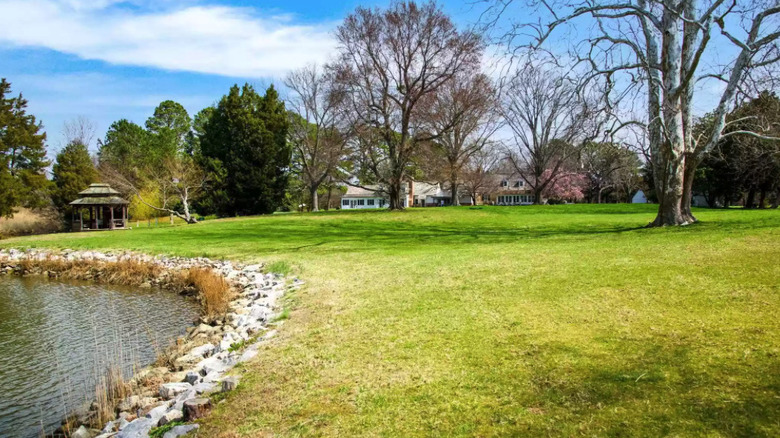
x=370 y=202
x=520 y=183
x=517 y=184
x=381 y=202
x=504 y=183
x=361 y=202
x=345 y=202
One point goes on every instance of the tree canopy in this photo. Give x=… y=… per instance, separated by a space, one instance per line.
x=245 y=141
x=22 y=154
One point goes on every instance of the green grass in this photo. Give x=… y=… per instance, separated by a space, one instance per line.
x=523 y=321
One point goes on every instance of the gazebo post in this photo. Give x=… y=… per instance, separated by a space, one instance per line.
x=111 y=224
x=81 y=220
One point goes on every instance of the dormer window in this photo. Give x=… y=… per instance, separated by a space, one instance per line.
x=504 y=183
x=520 y=183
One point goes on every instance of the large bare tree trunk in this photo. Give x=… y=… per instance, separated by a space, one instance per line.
x=454 y=198
x=315 y=201
x=691 y=163
x=394 y=192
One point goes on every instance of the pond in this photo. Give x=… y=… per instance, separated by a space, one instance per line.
x=57 y=337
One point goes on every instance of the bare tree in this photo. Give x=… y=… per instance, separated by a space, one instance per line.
x=550 y=121
x=390 y=61
x=79 y=130
x=177 y=183
x=318 y=129
x=656 y=48
x=478 y=174
x=464 y=116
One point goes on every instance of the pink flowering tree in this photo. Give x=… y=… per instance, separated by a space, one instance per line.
x=566 y=186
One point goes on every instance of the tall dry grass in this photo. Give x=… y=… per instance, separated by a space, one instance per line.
x=213 y=291
x=109 y=391
x=27 y=221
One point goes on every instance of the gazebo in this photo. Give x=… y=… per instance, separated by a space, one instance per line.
x=107 y=211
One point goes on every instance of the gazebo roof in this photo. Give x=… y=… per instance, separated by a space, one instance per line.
x=98 y=190
x=100 y=200
x=99 y=194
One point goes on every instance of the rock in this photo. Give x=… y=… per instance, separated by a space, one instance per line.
x=201 y=388
x=122 y=424
x=109 y=427
x=204 y=350
x=171 y=390
x=212 y=377
x=192 y=377
x=178 y=431
x=196 y=408
x=145 y=285
x=186 y=361
x=229 y=383
x=138 y=428
x=157 y=413
x=211 y=364
x=170 y=416
x=82 y=432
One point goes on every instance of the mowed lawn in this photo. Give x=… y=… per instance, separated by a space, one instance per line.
x=502 y=321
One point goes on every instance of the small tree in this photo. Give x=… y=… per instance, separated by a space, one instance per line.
x=479 y=174
x=171 y=188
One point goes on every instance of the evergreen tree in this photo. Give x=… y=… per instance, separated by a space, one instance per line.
x=127 y=146
x=245 y=141
x=168 y=129
x=73 y=172
x=22 y=155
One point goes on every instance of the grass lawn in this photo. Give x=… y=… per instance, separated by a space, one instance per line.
x=524 y=321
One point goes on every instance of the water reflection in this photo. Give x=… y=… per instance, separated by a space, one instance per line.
x=56 y=337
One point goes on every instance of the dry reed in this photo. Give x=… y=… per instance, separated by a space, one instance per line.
x=26 y=221
x=110 y=390
x=213 y=291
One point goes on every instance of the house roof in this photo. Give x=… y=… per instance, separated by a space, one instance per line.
x=363 y=192
x=100 y=200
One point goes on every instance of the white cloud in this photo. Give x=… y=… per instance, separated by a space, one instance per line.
x=221 y=40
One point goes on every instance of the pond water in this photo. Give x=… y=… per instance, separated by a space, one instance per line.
x=56 y=337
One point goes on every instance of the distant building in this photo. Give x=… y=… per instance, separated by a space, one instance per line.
x=358 y=198
x=639 y=198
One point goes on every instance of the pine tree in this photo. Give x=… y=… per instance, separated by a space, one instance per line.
x=73 y=172
x=245 y=140
x=22 y=155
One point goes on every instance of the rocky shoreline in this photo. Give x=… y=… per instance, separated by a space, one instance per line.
x=197 y=367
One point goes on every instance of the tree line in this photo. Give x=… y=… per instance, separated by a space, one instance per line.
x=407 y=97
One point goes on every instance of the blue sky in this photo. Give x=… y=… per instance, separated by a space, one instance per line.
x=112 y=59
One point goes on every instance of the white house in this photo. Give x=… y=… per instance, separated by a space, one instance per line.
x=358 y=198
x=639 y=198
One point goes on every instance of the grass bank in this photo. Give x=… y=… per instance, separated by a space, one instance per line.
x=551 y=320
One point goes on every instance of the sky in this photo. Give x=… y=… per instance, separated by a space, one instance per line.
x=106 y=60
x=112 y=59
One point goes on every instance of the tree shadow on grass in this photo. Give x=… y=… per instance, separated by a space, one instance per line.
x=657 y=390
